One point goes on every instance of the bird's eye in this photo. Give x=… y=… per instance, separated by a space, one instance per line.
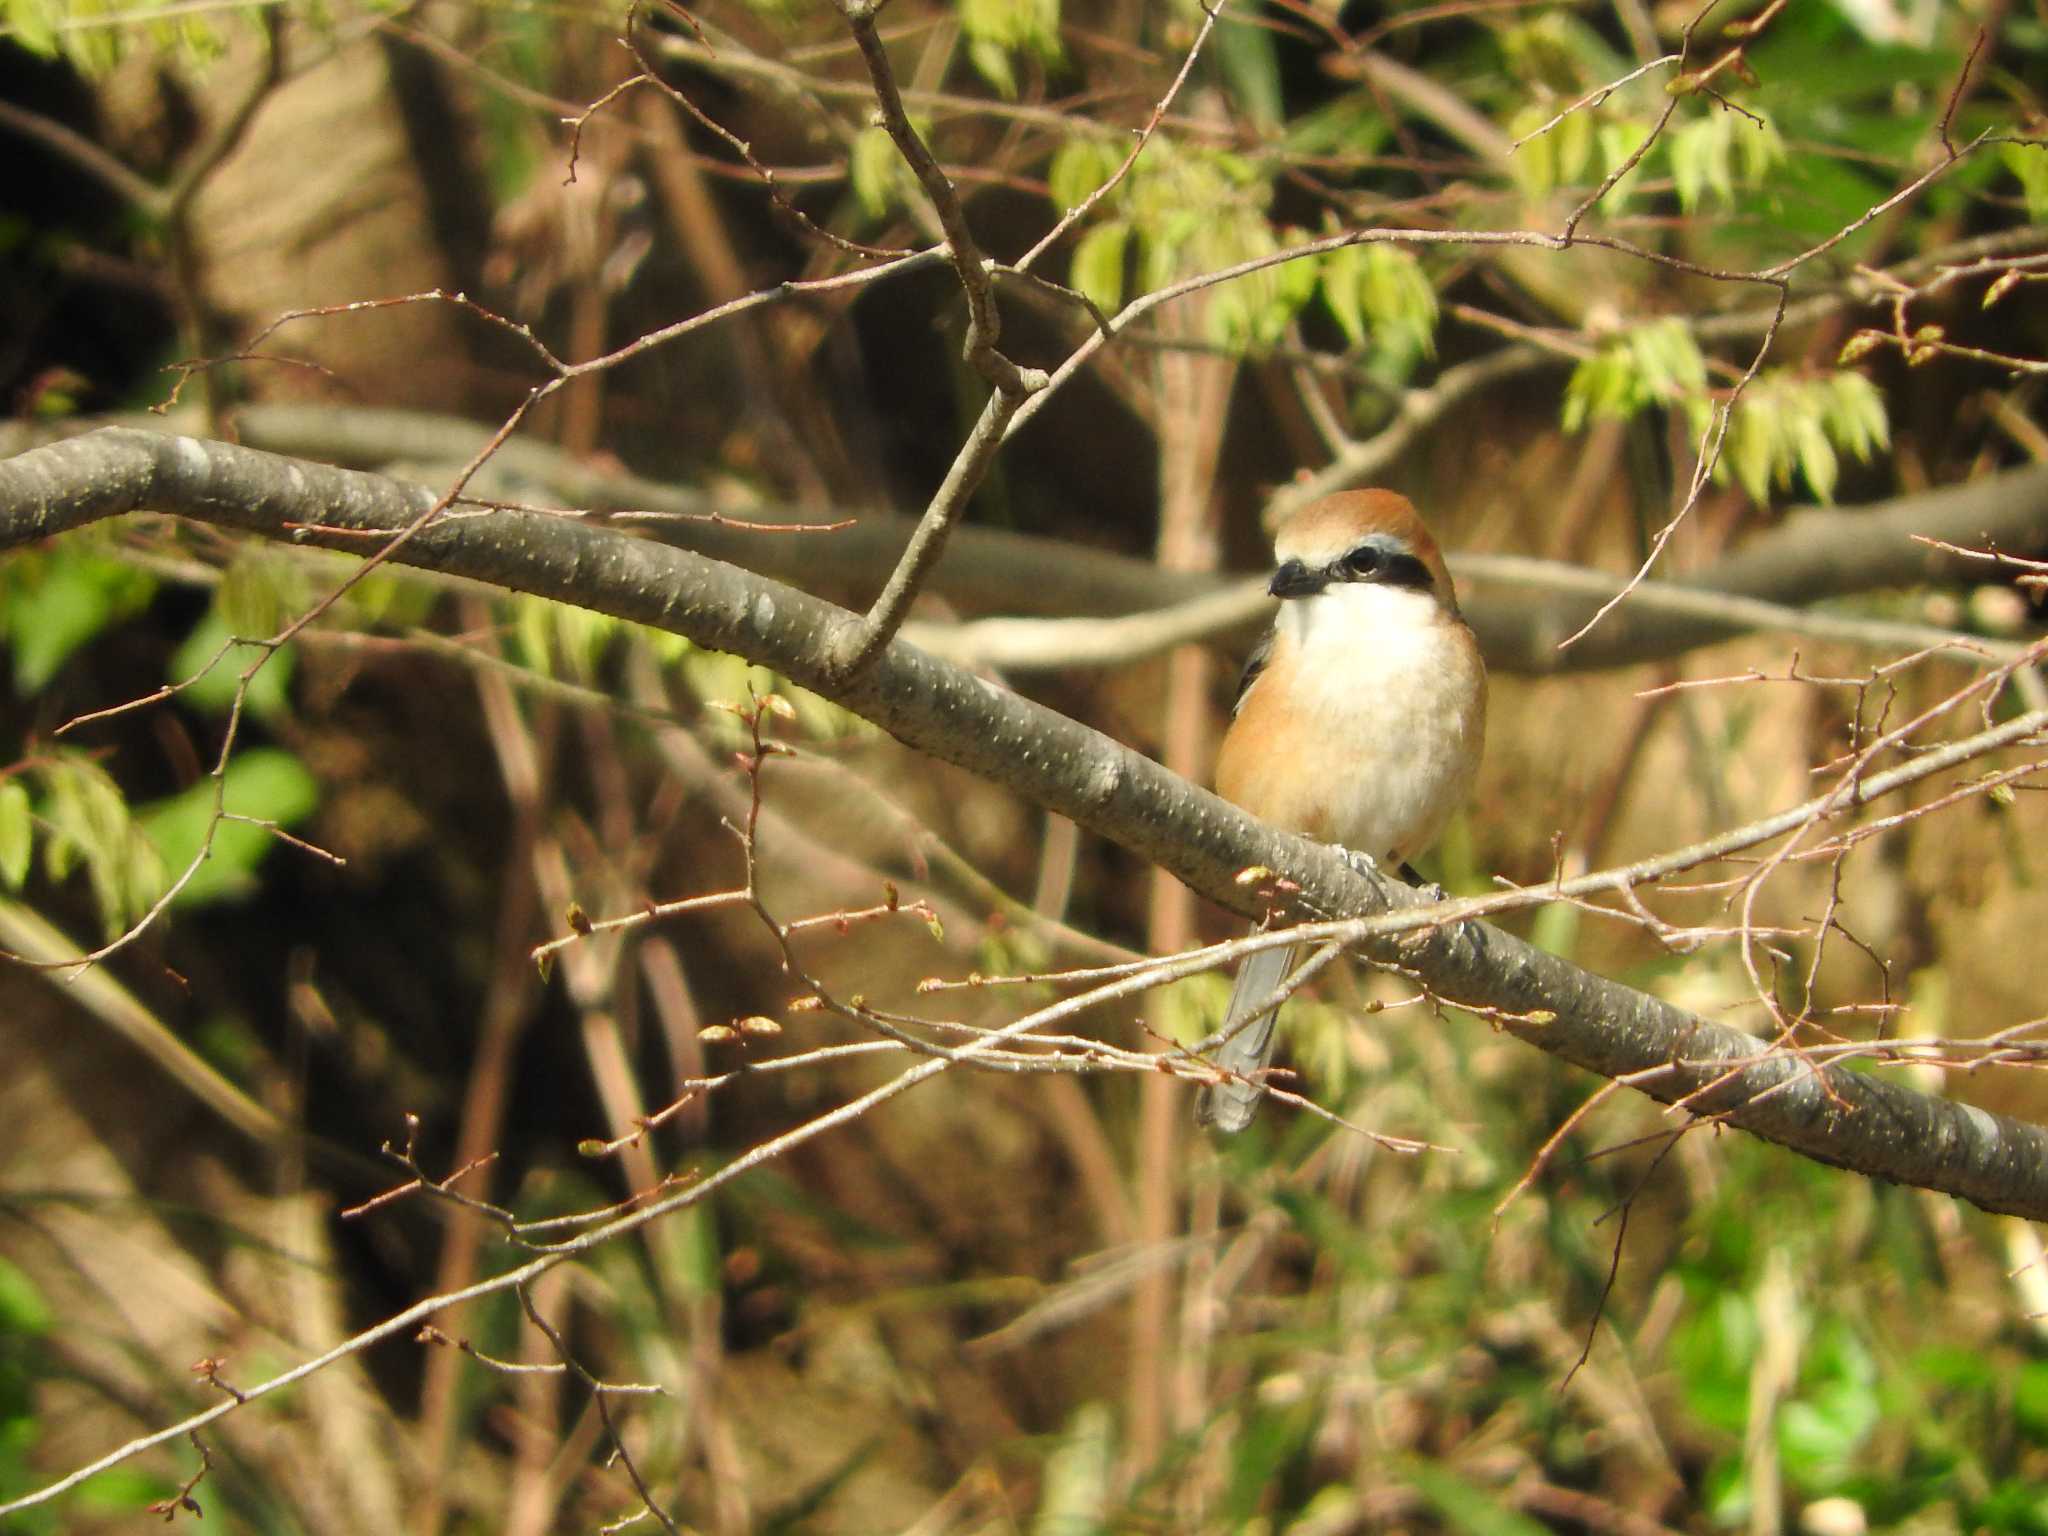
x=1367 y=560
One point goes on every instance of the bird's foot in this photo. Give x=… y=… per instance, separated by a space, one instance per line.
x=1362 y=863
x=1429 y=890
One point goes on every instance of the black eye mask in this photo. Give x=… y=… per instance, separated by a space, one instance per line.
x=1377 y=559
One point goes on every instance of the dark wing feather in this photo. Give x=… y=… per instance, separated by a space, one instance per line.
x=1254 y=664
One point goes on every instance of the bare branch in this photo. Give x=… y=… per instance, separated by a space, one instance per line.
x=1837 y=1117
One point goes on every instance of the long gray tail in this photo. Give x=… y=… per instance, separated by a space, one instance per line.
x=1229 y=1106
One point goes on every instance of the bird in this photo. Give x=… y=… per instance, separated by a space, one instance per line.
x=1360 y=721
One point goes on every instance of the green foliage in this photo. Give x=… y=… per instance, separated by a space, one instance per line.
x=25 y=1318
x=1185 y=211
x=1098 y=266
x=997 y=30
x=718 y=677
x=52 y=601
x=1467 y=1508
x=1714 y=152
x=95 y=35
x=881 y=179
x=1783 y=424
x=1787 y=424
x=1249 y=62
x=1079 y=166
x=1378 y=295
x=2029 y=162
x=1654 y=364
x=554 y=639
x=547 y=635
x=264 y=784
x=85 y=823
x=17 y=833
x=24 y=1311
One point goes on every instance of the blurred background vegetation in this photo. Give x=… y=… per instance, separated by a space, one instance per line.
x=1001 y=1303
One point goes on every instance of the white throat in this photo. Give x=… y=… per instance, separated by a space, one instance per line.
x=1356 y=613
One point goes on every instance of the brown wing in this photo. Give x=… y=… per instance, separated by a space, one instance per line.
x=1254 y=664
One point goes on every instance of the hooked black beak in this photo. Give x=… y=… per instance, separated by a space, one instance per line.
x=1295 y=579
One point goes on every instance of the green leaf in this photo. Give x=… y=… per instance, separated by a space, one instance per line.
x=23 y=1310
x=2029 y=162
x=123 y=1491
x=1751 y=448
x=54 y=604
x=1819 y=1435
x=1816 y=455
x=1098 y=264
x=875 y=171
x=2029 y=1398
x=17 y=829
x=90 y=825
x=1465 y=1507
x=992 y=62
x=1250 y=63
x=1574 y=146
x=1690 y=146
x=1078 y=167
x=1534 y=165
x=1343 y=272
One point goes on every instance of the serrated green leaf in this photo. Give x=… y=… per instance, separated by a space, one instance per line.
x=1342 y=276
x=1655 y=364
x=34 y=26
x=17 y=833
x=1855 y=415
x=90 y=827
x=1816 y=455
x=1749 y=448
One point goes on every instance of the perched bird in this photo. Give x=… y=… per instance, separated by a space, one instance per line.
x=1360 y=721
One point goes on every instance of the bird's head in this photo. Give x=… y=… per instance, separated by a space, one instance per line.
x=1370 y=538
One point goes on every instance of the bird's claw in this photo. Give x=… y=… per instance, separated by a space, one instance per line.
x=1362 y=863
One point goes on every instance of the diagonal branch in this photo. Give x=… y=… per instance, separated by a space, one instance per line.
x=1010 y=385
x=1844 y=1118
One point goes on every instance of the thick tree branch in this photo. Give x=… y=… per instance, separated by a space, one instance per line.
x=1848 y=1119
x=1815 y=554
